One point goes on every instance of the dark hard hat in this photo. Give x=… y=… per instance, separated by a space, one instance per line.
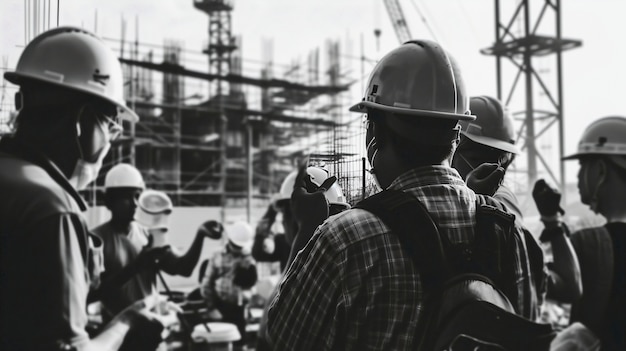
x=493 y=125
x=418 y=78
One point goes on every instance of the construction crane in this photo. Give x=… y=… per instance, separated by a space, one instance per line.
x=397 y=20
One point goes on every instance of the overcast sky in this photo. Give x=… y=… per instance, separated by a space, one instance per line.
x=594 y=75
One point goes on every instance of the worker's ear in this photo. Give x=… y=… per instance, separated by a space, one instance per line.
x=19 y=100
x=602 y=170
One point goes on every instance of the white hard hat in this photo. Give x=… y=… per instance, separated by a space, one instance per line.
x=123 y=175
x=240 y=233
x=334 y=195
x=154 y=208
x=76 y=59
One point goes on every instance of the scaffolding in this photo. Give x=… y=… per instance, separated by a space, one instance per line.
x=227 y=136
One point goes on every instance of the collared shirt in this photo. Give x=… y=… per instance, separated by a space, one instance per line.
x=44 y=253
x=218 y=281
x=353 y=288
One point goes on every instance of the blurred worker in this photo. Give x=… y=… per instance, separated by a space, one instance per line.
x=269 y=246
x=353 y=287
x=230 y=276
x=277 y=247
x=485 y=152
x=130 y=246
x=70 y=106
x=601 y=251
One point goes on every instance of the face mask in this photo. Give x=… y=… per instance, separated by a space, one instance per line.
x=372 y=151
x=86 y=172
x=592 y=190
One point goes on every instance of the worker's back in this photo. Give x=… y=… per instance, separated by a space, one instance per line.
x=32 y=277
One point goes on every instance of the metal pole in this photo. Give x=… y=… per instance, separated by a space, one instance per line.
x=363 y=185
x=559 y=73
x=530 y=123
x=498 y=58
x=249 y=170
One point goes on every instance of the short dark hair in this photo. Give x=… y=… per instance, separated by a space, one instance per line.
x=45 y=104
x=412 y=151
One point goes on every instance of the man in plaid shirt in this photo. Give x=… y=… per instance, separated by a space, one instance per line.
x=230 y=276
x=353 y=287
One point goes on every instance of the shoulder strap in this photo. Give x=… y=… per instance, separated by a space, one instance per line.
x=404 y=213
x=507 y=243
x=594 y=248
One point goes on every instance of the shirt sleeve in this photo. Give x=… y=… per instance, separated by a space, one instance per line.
x=305 y=307
x=510 y=201
x=61 y=247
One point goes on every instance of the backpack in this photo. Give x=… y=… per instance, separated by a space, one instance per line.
x=467 y=305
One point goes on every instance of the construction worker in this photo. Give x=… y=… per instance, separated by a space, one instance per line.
x=601 y=251
x=230 y=276
x=129 y=247
x=485 y=152
x=490 y=140
x=353 y=287
x=269 y=246
x=70 y=106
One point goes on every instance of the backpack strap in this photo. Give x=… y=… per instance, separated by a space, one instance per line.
x=405 y=214
x=594 y=248
x=506 y=239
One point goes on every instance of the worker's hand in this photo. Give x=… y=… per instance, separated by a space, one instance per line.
x=269 y=246
x=485 y=179
x=308 y=204
x=270 y=214
x=211 y=229
x=245 y=276
x=146 y=327
x=263 y=227
x=547 y=199
x=165 y=307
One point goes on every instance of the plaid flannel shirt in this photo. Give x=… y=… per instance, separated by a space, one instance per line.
x=353 y=288
x=218 y=280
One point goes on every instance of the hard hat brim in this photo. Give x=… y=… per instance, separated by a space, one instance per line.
x=575 y=156
x=240 y=243
x=344 y=206
x=362 y=106
x=494 y=143
x=124 y=112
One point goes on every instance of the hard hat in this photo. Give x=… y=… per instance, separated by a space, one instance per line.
x=334 y=195
x=123 y=175
x=239 y=233
x=417 y=78
x=493 y=125
x=154 y=208
x=76 y=59
x=606 y=136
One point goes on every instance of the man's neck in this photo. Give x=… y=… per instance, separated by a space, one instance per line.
x=121 y=226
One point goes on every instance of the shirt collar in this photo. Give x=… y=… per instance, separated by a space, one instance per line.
x=427 y=176
x=28 y=153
